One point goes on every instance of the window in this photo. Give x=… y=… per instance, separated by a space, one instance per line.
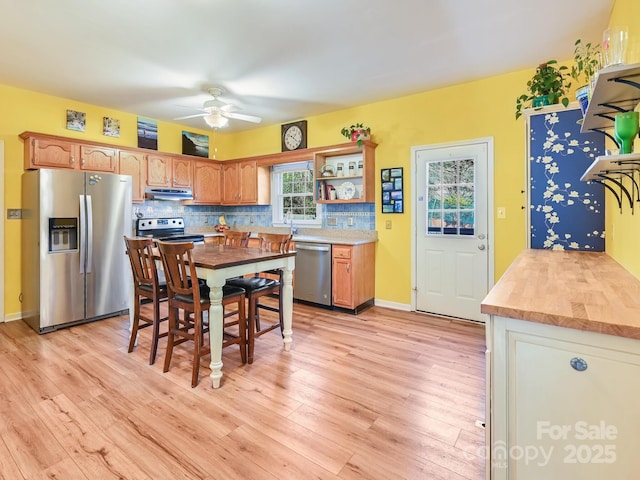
x=451 y=197
x=292 y=195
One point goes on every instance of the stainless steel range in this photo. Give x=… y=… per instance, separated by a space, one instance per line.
x=166 y=229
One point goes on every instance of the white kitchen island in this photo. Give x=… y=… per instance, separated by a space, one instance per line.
x=563 y=369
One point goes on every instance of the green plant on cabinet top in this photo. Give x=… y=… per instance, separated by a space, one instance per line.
x=549 y=83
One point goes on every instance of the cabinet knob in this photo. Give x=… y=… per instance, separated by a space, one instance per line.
x=579 y=364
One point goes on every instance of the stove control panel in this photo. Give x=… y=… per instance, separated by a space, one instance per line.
x=159 y=223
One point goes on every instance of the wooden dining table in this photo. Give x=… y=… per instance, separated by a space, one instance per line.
x=216 y=264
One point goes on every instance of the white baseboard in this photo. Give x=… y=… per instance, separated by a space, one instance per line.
x=396 y=306
x=12 y=317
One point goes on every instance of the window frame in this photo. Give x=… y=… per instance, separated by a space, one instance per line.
x=277 y=210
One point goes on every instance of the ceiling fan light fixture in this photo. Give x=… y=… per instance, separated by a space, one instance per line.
x=216 y=121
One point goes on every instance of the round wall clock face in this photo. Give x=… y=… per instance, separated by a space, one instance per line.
x=294 y=136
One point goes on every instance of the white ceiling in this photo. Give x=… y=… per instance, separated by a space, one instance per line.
x=282 y=60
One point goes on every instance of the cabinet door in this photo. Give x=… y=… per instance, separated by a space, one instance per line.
x=231 y=188
x=248 y=175
x=132 y=163
x=342 y=277
x=576 y=402
x=56 y=153
x=207 y=182
x=98 y=159
x=182 y=172
x=158 y=170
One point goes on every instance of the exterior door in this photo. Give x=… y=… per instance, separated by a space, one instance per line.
x=452 y=228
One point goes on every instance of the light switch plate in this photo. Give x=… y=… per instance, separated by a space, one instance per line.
x=14 y=213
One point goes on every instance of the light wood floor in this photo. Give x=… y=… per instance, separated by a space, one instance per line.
x=381 y=395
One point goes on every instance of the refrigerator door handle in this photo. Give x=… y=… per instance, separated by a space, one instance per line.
x=83 y=229
x=89 y=234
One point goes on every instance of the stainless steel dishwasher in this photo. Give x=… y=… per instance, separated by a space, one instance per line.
x=313 y=273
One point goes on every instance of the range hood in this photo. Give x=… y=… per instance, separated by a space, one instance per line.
x=175 y=194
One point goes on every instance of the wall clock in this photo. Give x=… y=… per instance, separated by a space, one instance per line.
x=294 y=136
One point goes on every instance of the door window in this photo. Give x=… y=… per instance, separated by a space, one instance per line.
x=451 y=197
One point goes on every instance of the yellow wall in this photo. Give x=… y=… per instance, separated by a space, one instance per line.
x=477 y=109
x=623 y=228
x=23 y=110
x=473 y=110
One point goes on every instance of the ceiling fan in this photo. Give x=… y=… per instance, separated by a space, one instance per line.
x=217 y=113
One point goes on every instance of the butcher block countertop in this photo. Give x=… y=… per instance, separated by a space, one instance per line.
x=581 y=290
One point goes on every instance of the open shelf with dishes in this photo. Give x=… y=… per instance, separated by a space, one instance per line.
x=345 y=174
x=617 y=90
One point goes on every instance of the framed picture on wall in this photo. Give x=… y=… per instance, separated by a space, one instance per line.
x=392 y=190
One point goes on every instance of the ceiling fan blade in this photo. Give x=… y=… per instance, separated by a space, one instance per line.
x=192 y=116
x=241 y=116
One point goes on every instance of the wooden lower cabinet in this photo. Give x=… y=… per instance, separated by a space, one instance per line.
x=563 y=403
x=133 y=163
x=353 y=275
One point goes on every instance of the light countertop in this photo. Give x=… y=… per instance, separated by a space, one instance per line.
x=312 y=235
x=581 y=290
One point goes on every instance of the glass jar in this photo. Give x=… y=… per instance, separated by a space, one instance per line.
x=359 y=168
x=340 y=170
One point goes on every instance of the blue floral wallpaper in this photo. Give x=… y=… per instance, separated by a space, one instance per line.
x=566 y=214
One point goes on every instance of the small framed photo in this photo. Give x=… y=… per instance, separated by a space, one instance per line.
x=392 y=190
x=147 y=133
x=110 y=127
x=194 y=144
x=76 y=120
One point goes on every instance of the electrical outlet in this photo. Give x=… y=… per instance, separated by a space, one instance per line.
x=332 y=221
x=251 y=220
x=387 y=225
x=350 y=222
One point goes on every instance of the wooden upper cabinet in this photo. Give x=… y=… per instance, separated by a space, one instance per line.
x=245 y=183
x=158 y=170
x=167 y=171
x=49 y=152
x=99 y=159
x=181 y=172
x=132 y=163
x=207 y=182
x=332 y=169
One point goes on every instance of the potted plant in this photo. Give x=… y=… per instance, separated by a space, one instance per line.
x=357 y=133
x=586 y=65
x=548 y=86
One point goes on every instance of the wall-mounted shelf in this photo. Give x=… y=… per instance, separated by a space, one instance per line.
x=612 y=170
x=616 y=90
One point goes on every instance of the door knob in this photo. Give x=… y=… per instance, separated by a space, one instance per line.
x=481 y=246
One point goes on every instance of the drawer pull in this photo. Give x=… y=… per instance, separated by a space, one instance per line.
x=578 y=364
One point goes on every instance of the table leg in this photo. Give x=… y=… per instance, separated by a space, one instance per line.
x=287 y=304
x=216 y=322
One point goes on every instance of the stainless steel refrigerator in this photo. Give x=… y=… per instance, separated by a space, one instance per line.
x=74 y=266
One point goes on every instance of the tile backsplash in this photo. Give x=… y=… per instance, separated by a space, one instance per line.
x=360 y=216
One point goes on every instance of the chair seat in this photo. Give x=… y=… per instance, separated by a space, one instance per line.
x=253 y=284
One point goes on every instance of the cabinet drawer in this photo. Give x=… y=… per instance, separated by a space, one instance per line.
x=340 y=251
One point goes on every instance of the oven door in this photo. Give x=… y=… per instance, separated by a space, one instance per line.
x=197 y=239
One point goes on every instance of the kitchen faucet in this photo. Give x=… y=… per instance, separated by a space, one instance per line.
x=288 y=218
